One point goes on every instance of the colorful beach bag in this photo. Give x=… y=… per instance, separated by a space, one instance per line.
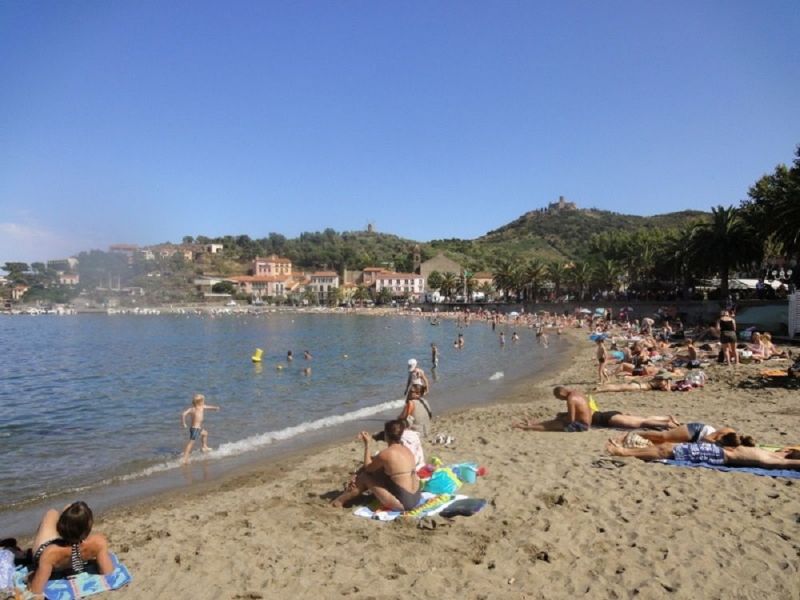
x=442 y=481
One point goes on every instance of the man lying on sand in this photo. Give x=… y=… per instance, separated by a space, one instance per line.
x=579 y=417
x=729 y=450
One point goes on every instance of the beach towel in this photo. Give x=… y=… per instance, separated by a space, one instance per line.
x=430 y=504
x=80 y=586
x=774 y=373
x=785 y=473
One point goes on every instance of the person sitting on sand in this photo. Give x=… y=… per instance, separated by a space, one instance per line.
x=731 y=449
x=64 y=544
x=579 y=417
x=390 y=475
x=770 y=351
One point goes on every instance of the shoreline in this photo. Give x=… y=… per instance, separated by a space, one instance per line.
x=119 y=492
x=563 y=519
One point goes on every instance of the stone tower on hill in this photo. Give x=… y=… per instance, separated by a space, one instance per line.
x=561 y=205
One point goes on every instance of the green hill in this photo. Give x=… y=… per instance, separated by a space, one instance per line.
x=555 y=235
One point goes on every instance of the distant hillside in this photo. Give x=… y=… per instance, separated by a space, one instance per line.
x=560 y=234
x=547 y=234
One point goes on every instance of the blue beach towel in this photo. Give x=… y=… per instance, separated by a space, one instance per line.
x=80 y=586
x=435 y=505
x=786 y=473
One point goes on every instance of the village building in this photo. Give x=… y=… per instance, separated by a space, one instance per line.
x=262 y=286
x=18 y=291
x=63 y=265
x=440 y=264
x=482 y=278
x=323 y=284
x=271 y=265
x=401 y=285
x=69 y=278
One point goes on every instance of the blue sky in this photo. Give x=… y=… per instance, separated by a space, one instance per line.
x=142 y=122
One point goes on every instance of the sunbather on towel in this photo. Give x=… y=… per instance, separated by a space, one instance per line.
x=692 y=433
x=390 y=475
x=659 y=383
x=729 y=450
x=64 y=544
x=579 y=417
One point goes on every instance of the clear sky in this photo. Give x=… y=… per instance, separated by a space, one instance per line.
x=144 y=121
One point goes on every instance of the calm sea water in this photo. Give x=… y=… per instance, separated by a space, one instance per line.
x=91 y=399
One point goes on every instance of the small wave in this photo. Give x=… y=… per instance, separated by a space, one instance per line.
x=497 y=375
x=264 y=439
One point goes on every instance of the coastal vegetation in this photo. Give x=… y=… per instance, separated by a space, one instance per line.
x=549 y=250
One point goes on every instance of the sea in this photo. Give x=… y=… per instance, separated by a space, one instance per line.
x=90 y=405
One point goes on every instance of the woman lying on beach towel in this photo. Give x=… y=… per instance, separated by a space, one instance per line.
x=390 y=475
x=64 y=545
x=729 y=450
x=692 y=433
x=656 y=384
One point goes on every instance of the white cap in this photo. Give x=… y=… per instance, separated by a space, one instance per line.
x=412 y=364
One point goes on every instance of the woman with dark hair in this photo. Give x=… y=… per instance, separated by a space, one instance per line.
x=727 y=336
x=64 y=544
x=390 y=475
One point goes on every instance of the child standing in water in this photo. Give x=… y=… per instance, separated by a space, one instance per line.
x=197 y=410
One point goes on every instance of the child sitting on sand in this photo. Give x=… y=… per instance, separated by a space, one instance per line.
x=197 y=410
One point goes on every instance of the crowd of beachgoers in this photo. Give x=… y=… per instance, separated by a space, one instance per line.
x=628 y=355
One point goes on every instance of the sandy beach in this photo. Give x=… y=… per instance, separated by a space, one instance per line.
x=564 y=519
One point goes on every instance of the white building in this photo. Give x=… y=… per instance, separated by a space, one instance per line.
x=323 y=284
x=401 y=285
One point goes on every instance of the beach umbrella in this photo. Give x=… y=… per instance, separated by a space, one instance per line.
x=513 y=313
x=585 y=311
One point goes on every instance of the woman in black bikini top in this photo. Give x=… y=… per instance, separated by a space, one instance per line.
x=64 y=544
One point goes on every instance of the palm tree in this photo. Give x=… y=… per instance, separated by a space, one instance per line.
x=470 y=284
x=361 y=294
x=505 y=278
x=534 y=273
x=607 y=273
x=724 y=243
x=580 y=275
x=557 y=275
x=448 y=284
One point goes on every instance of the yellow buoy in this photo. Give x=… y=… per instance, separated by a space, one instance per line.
x=257 y=356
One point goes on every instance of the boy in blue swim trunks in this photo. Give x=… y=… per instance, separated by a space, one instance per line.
x=197 y=410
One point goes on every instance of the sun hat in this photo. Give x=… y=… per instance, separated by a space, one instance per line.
x=412 y=364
